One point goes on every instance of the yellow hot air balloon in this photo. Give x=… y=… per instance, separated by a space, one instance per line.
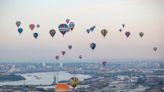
x=74 y=81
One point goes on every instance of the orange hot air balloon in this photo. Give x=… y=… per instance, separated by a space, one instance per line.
x=62 y=88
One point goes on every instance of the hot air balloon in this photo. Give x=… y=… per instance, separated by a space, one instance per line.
x=63 y=28
x=37 y=25
x=74 y=81
x=20 y=30
x=35 y=35
x=141 y=34
x=92 y=28
x=57 y=57
x=93 y=46
x=67 y=20
x=88 y=30
x=155 y=49
x=69 y=47
x=127 y=34
x=104 y=32
x=80 y=57
x=63 y=52
x=123 y=25
x=18 y=23
x=32 y=26
x=71 y=25
x=104 y=63
x=52 y=32
x=62 y=88
x=120 y=30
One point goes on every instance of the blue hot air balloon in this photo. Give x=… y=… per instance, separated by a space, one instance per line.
x=35 y=35
x=88 y=30
x=20 y=30
x=93 y=46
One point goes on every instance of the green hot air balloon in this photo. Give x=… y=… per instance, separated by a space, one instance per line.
x=18 y=23
x=141 y=34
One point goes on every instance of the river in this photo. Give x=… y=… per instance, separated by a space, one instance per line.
x=44 y=78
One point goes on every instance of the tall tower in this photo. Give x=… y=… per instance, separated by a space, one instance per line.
x=54 y=81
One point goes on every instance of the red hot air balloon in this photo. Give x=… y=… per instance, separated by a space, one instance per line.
x=32 y=26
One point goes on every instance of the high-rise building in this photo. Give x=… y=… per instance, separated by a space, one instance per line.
x=44 y=64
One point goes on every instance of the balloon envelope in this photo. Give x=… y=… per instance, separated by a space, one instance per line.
x=63 y=28
x=88 y=30
x=71 y=25
x=63 y=52
x=20 y=30
x=80 y=57
x=120 y=30
x=57 y=57
x=35 y=35
x=74 y=81
x=104 y=32
x=37 y=25
x=155 y=48
x=127 y=34
x=52 y=32
x=104 y=63
x=69 y=47
x=18 y=23
x=67 y=20
x=32 y=26
x=93 y=46
x=92 y=28
x=62 y=88
x=123 y=25
x=141 y=34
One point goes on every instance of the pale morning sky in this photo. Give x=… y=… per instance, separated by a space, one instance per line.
x=138 y=15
